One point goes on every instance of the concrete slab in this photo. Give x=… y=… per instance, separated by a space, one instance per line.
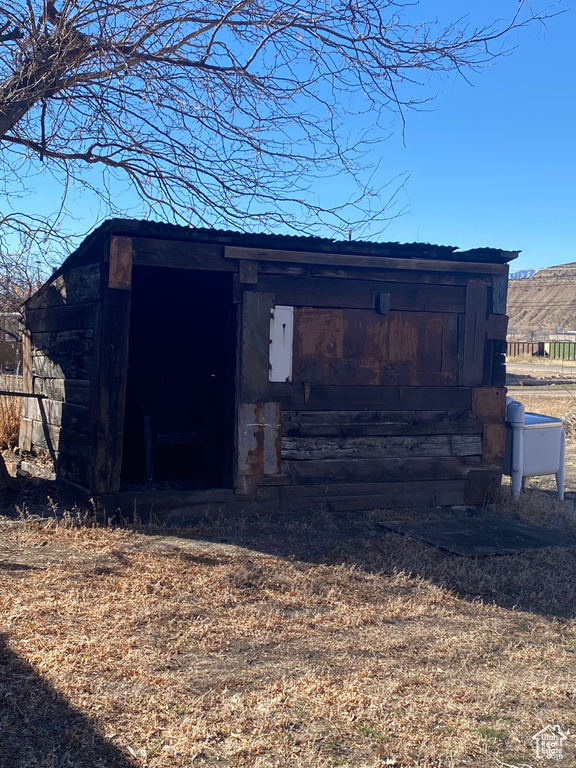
x=476 y=534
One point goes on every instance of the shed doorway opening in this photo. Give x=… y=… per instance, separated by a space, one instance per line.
x=178 y=430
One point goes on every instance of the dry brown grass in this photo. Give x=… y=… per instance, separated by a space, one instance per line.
x=179 y=652
x=10 y=412
x=138 y=648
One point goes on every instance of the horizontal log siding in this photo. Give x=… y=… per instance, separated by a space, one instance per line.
x=61 y=319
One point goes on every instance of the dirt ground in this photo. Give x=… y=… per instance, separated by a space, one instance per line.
x=264 y=642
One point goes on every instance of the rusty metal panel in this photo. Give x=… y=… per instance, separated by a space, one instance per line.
x=258 y=444
x=362 y=347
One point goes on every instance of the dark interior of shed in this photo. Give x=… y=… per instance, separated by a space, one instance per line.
x=179 y=422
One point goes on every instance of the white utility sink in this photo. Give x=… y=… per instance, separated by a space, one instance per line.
x=535 y=445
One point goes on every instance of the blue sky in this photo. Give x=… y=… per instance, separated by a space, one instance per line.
x=494 y=164
x=487 y=164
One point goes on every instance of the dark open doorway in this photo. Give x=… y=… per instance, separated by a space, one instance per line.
x=178 y=429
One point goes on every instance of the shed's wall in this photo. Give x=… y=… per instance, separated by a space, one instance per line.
x=396 y=396
x=61 y=321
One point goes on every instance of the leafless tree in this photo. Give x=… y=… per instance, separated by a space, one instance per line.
x=221 y=112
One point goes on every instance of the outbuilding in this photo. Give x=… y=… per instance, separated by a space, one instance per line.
x=179 y=369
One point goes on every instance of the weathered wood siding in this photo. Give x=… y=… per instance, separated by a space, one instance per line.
x=396 y=395
x=58 y=363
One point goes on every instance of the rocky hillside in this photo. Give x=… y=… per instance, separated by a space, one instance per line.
x=545 y=300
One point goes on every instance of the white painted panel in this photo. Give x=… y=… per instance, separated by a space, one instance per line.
x=281 y=337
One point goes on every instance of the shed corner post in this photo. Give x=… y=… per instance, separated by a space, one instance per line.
x=257 y=418
x=111 y=371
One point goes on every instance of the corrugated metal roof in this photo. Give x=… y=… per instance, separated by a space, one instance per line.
x=165 y=231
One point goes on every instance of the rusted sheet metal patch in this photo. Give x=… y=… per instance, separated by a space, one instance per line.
x=258 y=442
x=362 y=347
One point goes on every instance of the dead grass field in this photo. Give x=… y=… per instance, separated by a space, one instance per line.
x=265 y=643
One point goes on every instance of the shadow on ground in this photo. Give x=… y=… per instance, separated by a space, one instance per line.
x=39 y=729
x=540 y=581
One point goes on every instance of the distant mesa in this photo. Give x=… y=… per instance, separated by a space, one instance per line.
x=543 y=302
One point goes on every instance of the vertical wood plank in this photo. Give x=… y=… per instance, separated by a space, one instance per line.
x=499 y=293
x=450 y=343
x=120 y=265
x=475 y=333
x=255 y=349
x=26 y=424
x=248 y=272
x=110 y=380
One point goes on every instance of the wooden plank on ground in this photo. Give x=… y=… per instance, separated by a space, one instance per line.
x=374 y=262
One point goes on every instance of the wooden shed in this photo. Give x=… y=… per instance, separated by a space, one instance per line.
x=179 y=368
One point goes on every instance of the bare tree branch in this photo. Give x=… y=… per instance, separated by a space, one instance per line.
x=220 y=112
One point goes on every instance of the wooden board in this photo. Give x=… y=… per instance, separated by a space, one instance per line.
x=61 y=318
x=374 y=262
x=482 y=486
x=77 y=342
x=489 y=404
x=255 y=342
x=77 y=285
x=354 y=398
x=374 y=470
x=372 y=423
x=25 y=438
x=120 y=266
x=321 y=449
x=60 y=440
x=392 y=495
x=151 y=252
x=66 y=390
x=362 y=347
x=61 y=366
x=497 y=327
x=475 y=333
x=360 y=294
x=108 y=390
x=248 y=273
x=61 y=414
x=499 y=293
x=494 y=443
